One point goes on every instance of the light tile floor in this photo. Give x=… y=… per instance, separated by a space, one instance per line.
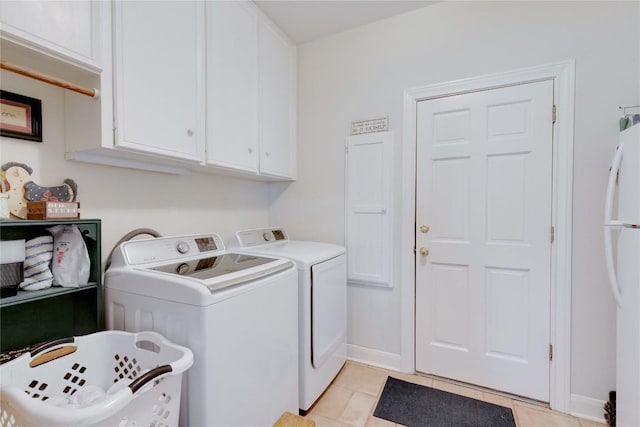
x=352 y=397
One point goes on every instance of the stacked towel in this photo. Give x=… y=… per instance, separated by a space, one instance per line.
x=38 y=254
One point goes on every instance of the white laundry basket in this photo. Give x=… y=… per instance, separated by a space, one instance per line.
x=146 y=367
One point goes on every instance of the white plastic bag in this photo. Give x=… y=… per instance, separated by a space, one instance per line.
x=70 y=264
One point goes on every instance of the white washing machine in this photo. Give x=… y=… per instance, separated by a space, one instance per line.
x=238 y=313
x=322 y=278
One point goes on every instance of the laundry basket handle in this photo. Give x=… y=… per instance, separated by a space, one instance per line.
x=140 y=382
x=52 y=351
x=54 y=343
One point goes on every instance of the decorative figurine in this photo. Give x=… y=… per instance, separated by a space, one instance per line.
x=21 y=188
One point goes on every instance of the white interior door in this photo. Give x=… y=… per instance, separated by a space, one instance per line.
x=483 y=237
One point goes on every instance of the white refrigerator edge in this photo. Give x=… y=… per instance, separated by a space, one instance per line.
x=622 y=250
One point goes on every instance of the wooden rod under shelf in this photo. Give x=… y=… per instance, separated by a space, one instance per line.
x=93 y=93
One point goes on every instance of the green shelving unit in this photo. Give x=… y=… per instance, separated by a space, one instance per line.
x=33 y=317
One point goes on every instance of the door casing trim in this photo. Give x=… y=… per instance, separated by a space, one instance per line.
x=563 y=75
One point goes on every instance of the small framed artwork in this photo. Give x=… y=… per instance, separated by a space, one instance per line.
x=21 y=116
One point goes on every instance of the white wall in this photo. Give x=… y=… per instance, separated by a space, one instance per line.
x=362 y=74
x=126 y=199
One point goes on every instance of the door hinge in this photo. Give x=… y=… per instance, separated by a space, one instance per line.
x=550 y=351
x=553 y=114
x=553 y=234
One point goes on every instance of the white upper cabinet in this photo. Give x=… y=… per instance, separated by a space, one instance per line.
x=67 y=30
x=159 y=77
x=184 y=85
x=232 y=85
x=250 y=92
x=277 y=103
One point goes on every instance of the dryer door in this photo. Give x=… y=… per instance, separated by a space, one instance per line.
x=328 y=308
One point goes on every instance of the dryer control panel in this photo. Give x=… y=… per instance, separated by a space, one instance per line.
x=171 y=248
x=260 y=236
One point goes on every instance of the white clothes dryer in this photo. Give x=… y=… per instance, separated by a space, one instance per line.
x=238 y=314
x=322 y=279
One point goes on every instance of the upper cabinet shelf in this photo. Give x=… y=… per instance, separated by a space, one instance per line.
x=65 y=35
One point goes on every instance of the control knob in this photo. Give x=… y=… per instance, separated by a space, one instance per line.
x=266 y=237
x=182 y=247
x=182 y=269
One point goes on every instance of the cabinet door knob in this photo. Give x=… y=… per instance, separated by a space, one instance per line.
x=424 y=228
x=250 y=150
x=424 y=251
x=190 y=132
x=267 y=153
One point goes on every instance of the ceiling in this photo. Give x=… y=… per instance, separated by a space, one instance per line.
x=307 y=20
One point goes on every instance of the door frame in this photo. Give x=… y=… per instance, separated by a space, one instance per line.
x=563 y=75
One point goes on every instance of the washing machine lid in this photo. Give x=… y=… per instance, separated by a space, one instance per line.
x=274 y=242
x=197 y=259
x=216 y=266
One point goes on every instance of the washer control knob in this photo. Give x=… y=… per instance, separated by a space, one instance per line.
x=266 y=237
x=182 y=269
x=182 y=247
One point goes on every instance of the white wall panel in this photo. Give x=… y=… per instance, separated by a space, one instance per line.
x=369 y=202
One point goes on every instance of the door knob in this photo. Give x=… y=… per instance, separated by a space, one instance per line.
x=424 y=251
x=424 y=228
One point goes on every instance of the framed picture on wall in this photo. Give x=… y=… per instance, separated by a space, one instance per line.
x=21 y=116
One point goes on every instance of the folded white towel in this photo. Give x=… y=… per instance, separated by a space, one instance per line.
x=38 y=254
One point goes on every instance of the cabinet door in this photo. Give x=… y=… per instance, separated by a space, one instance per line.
x=277 y=103
x=159 y=54
x=60 y=27
x=232 y=85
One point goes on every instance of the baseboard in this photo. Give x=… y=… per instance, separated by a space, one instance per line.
x=588 y=408
x=369 y=356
